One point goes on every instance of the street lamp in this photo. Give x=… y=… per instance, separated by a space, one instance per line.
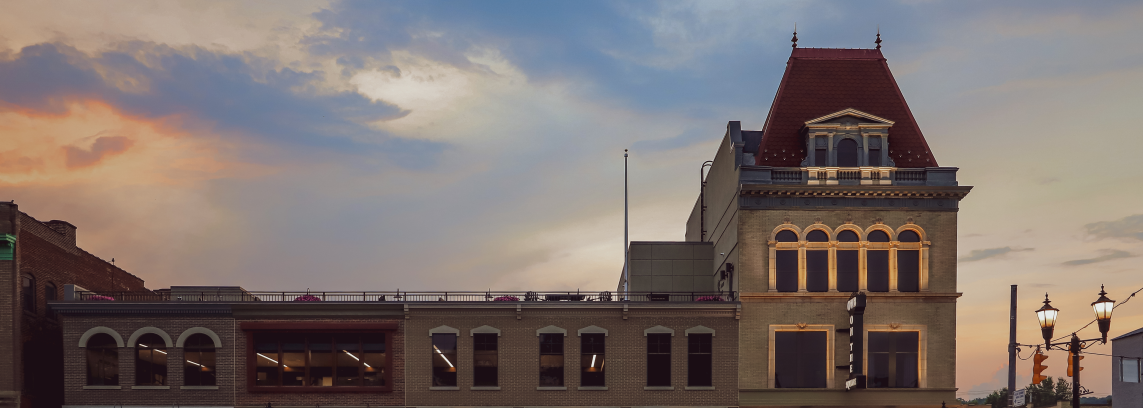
x=1047 y=316
x=1103 y=308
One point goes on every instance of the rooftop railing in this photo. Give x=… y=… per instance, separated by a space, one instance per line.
x=877 y=176
x=403 y=296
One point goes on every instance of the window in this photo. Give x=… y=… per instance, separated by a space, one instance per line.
x=592 y=360
x=484 y=359
x=150 y=360
x=786 y=263
x=874 y=152
x=28 y=292
x=199 y=364
x=444 y=356
x=848 y=268
x=320 y=360
x=877 y=264
x=102 y=360
x=847 y=153
x=821 y=151
x=551 y=359
x=1129 y=369
x=800 y=359
x=699 y=361
x=658 y=359
x=909 y=263
x=50 y=296
x=817 y=263
x=893 y=359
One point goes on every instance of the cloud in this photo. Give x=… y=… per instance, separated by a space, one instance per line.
x=1128 y=228
x=1108 y=254
x=685 y=139
x=199 y=90
x=981 y=254
x=104 y=146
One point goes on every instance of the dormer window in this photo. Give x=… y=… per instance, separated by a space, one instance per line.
x=848 y=138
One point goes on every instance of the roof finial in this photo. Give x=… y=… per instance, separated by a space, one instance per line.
x=878 y=42
x=795 y=39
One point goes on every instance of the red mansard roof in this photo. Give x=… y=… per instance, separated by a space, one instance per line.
x=821 y=81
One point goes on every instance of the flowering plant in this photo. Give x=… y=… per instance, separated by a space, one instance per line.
x=709 y=299
x=506 y=299
x=307 y=298
x=100 y=297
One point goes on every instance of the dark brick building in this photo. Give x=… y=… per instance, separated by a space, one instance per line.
x=37 y=259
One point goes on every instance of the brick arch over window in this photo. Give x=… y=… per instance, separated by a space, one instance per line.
x=879 y=227
x=150 y=329
x=913 y=227
x=783 y=227
x=848 y=227
x=100 y=329
x=198 y=330
x=817 y=227
x=784 y=260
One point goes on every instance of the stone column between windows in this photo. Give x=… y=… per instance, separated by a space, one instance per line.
x=924 y=267
x=773 y=268
x=862 y=269
x=864 y=149
x=893 y=266
x=802 y=264
x=830 y=159
x=832 y=266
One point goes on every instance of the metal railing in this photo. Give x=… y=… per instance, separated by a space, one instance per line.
x=405 y=296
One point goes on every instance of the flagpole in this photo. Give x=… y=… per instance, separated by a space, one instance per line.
x=626 y=253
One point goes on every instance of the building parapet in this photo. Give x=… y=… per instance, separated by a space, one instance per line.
x=399 y=296
x=869 y=176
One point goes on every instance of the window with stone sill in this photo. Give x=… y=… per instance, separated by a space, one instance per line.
x=485 y=360
x=786 y=263
x=593 y=359
x=102 y=353
x=551 y=359
x=658 y=359
x=199 y=361
x=150 y=360
x=321 y=361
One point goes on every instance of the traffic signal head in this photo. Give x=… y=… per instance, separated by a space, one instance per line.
x=1039 y=367
x=1071 y=370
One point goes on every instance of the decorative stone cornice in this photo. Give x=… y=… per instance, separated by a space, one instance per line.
x=957 y=192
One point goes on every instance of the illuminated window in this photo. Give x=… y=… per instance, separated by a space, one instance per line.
x=321 y=360
x=102 y=360
x=444 y=360
x=199 y=365
x=150 y=360
x=592 y=360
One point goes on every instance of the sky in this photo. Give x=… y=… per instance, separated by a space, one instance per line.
x=461 y=145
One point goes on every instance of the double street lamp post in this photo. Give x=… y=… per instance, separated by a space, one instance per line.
x=1047 y=317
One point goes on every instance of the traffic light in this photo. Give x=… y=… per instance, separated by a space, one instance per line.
x=1038 y=369
x=1070 y=357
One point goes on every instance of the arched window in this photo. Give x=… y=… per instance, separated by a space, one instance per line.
x=877 y=263
x=848 y=267
x=150 y=360
x=908 y=263
x=817 y=263
x=199 y=364
x=28 y=292
x=102 y=360
x=847 y=153
x=786 y=263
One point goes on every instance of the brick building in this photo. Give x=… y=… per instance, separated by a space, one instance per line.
x=838 y=194
x=818 y=269
x=36 y=260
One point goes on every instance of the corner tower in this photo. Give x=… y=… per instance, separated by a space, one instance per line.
x=837 y=196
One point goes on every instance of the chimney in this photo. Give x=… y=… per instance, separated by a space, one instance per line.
x=64 y=228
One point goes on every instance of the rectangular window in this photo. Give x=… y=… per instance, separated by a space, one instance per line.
x=484 y=360
x=877 y=268
x=444 y=360
x=318 y=360
x=908 y=270
x=699 y=360
x=551 y=359
x=817 y=271
x=1129 y=370
x=592 y=360
x=786 y=270
x=893 y=359
x=800 y=359
x=658 y=359
x=821 y=157
x=848 y=271
x=874 y=157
